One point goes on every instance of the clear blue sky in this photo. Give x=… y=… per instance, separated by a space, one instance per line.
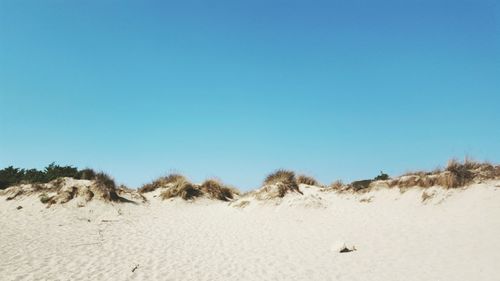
x=236 y=89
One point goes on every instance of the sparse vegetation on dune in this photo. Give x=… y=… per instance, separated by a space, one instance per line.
x=12 y=176
x=216 y=190
x=52 y=182
x=179 y=186
x=183 y=189
x=280 y=176
x=278 y=184
x=307 y=180
x=337 y=185
x=162 y=182
x=106 y=185
x=86 y=174
x=456 y=174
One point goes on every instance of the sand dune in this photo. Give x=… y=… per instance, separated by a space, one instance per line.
x=448 y=234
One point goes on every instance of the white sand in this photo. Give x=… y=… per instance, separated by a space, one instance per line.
x=453 y=236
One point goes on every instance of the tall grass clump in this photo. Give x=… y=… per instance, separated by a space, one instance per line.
x=162 y=182
x=216 y=190
x=107 y=186
x=458 y=174
x=183 y=189
x=307 y=180
x=284 y=180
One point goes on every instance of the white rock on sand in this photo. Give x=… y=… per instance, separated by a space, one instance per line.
x=452 y=235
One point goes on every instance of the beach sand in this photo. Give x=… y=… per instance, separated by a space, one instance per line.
x=453 y=235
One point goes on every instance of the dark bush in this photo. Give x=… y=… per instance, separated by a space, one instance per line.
x=10 y=176
x=34 y=176
x=86 y=174
x=362 y=184
x=54 y=171
x=105 y=180
x=382 y=177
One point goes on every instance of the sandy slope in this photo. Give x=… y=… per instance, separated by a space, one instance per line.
x=452 y=236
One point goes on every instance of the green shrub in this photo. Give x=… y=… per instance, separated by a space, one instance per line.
x=382 y=177
x=362 y=184
x=10 y=176
x=34 y=176
x=54 y=171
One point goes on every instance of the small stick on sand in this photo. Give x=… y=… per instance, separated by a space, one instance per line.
x=133 y=269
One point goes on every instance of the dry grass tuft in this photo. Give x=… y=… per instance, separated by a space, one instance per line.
x=427 y=181
x=216 y=190
x=178 y=186
x=303 y=179
x=277 y=185
x=161 y=182
x=337 y=185
x=183 y=189
x=459 y=174
x=106 y=186
x=284 y=180
x=280 y=176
